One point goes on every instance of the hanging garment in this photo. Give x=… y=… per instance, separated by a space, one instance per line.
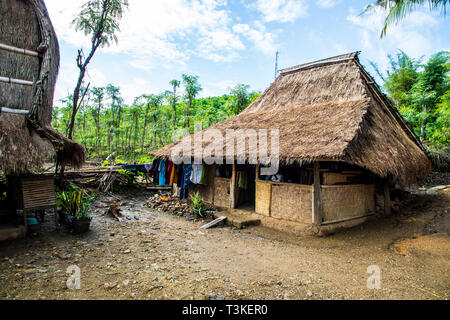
x=242 y=182
x=187 y=171
x=162 y=173
x=187 y=175
x=172 y=176
x=156 y=172
x=168 y=172
x=198 y=174
x=206 y=175
x=149 y=168
x=181 y=185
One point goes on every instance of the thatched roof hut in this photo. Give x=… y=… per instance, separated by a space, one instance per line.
x=330 y=109
x=29 y=62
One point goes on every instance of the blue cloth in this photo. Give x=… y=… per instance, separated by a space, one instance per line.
x=162 y=173
x=182 y=187
x=185 y=181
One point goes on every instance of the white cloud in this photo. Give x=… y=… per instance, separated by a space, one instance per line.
x=327 y=3
x=262 y=39
x=412 y=35
x=282 y=10
x=155 y=31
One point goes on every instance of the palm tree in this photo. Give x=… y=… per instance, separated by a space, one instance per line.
x=399 y=9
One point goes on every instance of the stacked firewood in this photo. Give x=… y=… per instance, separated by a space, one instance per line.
x=169 y=203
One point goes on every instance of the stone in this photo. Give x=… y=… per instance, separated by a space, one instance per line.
x=110 y=286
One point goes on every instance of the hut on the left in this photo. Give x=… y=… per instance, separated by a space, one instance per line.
x=29 y=63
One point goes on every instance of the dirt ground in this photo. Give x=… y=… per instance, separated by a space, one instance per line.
x=161 y=256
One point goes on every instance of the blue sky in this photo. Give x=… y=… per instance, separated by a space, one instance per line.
x=234 y=41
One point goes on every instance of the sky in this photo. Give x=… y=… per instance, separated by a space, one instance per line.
x=228 y=42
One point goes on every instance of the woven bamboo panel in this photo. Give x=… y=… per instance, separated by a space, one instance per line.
x=343 y=202
x=263 y=197
x=292 y=202
x=38 y=193
x=222 y=188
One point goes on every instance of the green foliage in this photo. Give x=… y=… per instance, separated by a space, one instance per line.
x=421 y=93
x=105 y=125
x=76 y=203
x=100 y=20
x=198 y=204
x=398 y=9
x=129 y=176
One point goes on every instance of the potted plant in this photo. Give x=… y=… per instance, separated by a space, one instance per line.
x=76 y=205
x=198 y=205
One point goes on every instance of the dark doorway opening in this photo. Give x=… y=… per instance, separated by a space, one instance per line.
x=246 y=187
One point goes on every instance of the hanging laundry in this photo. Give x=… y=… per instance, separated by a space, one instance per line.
x=206 y=175
x=196 y=174
x=162 y=173
x=172 y=176
x=149 y=168
x=242 y=180
x=187 y=171
x=168 y=172
x=187 y=175
x=181 y=186
x=156 y=172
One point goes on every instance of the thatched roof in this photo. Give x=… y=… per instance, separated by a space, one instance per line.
x=331 y=109
x=25 y=24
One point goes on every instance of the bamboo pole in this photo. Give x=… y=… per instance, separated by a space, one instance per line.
x=19 y=50
x=13 y=111
x=16 y=81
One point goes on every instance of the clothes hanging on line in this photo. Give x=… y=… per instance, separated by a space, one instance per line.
x=162 y=173
x=172 y=176
x=206 y=175
x=242 y=180
x=156 y=172
x=196 y=175
x=186 y=181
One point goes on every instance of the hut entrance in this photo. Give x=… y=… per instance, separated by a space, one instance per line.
x=246 y=187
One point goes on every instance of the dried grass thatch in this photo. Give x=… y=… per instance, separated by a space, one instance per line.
x=331 y=109
x=26 y=24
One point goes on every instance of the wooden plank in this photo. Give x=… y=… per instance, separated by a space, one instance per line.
x=159 y=188
x=317 y=200
x=214 y=223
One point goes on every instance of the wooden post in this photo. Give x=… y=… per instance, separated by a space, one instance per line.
x=233 y=188
x=213 y=183
x=317 y=198
x=387 y=198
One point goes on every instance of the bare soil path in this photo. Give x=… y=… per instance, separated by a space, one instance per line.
x=161 y=256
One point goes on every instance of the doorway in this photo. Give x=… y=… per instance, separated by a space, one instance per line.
x=246 y=187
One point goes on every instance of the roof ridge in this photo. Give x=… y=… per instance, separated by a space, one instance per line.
x=322 y=62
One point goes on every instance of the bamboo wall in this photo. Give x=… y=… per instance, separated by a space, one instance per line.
x=222 y=188
x=345 y=202
x=285 y=201
x=293 y=202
